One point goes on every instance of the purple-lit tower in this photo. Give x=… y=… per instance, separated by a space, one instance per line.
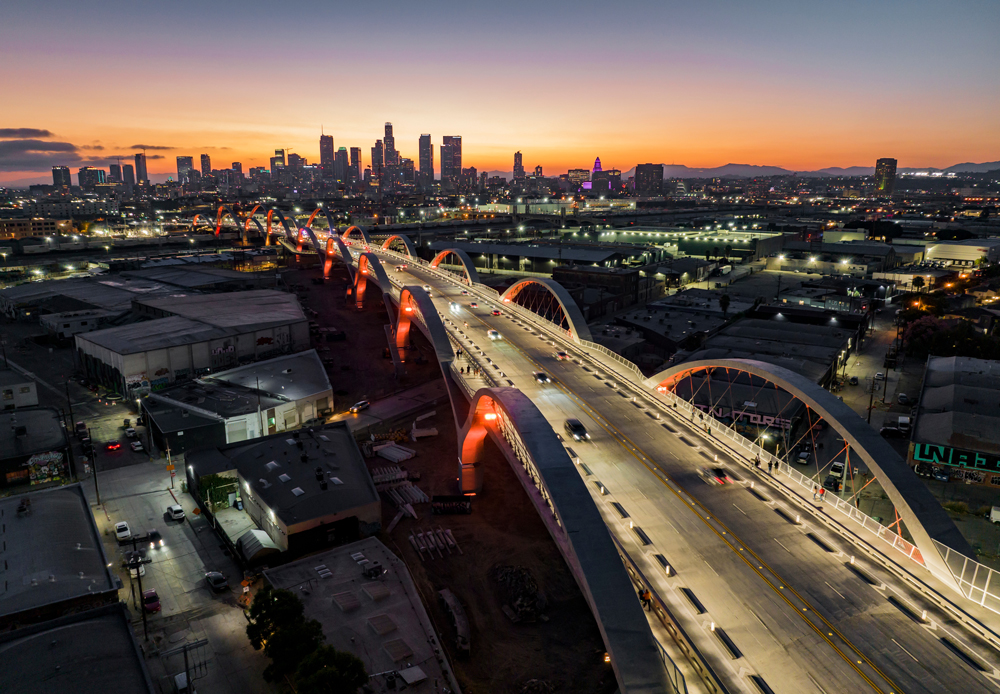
x=597 y=165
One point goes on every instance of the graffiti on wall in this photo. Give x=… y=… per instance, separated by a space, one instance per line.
x=956 y=457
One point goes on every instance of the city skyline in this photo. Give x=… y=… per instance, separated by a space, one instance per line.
x=698 y=85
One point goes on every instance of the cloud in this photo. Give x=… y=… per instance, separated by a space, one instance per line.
x=18 y=133
x=97 y=147
x=36 y=155
x=150 y=147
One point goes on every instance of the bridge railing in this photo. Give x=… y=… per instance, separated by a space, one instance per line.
x=979 y=583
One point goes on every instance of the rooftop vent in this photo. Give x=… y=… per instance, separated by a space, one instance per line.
x=287 y=371
x=272 y=465
x=298 y=491
x=284 y=478
x=264 y=484
x=336 y=480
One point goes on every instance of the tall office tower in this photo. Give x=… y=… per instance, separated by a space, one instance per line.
x=277 y=165
x=128 y=175
x=238 y=167
x=378 y=159
x=885 y=177
x=295 y=161
x=577 y=177
x=597 y=165
x=326 y=155
x=391 y=155
x=340 y=165
x=451 y=159
x=89 y=177
x=649 y=179
x=115 y=173
x=206 y=165
x=518 y=167
x=425 y=157
x=141 y=175
x=279 y=154
x=184 y=167
x=356 y=172
x=61 y=177
x=538 y=171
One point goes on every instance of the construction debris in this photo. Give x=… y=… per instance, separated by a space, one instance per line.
x=519 y=592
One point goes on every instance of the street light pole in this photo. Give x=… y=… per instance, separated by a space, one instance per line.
x=93 y=461
x=871 y=400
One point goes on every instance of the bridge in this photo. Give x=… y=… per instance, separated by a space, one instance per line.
x=755 y=587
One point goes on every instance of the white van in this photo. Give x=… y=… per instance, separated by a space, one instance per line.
x=995 y=514
x=904 y=425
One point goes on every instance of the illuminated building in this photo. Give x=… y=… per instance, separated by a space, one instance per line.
x=327 y=157
x=238 y=167
x=378 y=159
x=115 y=173
x=538 y=171
x=451 y=159
x=577 y=177
x=885 y=177
x=355 y=164
x=340 y=165
x=391 y=155
x=185 y=165
x=518 y=167
x=426 y=159
x=206 y=165
x=649 y=179
x=89 y=177
x=141 y=175
x=128 y=175
x=61 y=177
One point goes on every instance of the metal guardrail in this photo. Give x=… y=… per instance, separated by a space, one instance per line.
x=979 y=583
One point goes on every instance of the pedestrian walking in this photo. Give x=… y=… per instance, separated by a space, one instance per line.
x=647 y=599
x=814 y=492
x=756 y=462
x=822 y=494
x=770 y=464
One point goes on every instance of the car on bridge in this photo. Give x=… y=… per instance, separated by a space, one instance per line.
x=453 y=306
x=575 y=428
x=561 y=356
x=427 y=288
x=494 y=335
x=542 y=377
x=714 y=475
x=473 y=304
x=400 y=268
x=495 y=312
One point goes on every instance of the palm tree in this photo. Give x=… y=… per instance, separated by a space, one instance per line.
x=918 y=282
x=724 y=304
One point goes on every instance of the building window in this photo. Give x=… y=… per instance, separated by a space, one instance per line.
x=8 y=394
x=25 y=389
x=17 y=476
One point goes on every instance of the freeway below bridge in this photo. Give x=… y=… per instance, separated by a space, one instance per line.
x=768 y=592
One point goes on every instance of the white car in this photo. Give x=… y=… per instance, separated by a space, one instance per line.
x=122 y=531
x=427 y=288
x=136 y=446
x=176 y=512
x=493 y=335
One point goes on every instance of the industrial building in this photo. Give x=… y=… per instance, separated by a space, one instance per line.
x=292 y=493
x=17 y=390
x=192 y=335
x=958 y=419
x=245 y=403
x=104 y=293
x=34 y=448
x=967 y=252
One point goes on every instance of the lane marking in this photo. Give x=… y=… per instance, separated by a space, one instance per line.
x=904 y=650
x=782 y=546
x=835 y=590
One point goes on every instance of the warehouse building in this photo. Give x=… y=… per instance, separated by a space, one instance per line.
x=245 y=403
x=17 y=390
x=190 y=336
x=34 y=448
x=290 y=493
x=966 y=253
x=958 y=419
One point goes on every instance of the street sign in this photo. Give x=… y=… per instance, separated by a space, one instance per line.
x=173 y=474
x=170 y=466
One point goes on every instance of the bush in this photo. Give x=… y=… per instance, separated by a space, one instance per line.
x=956 y=506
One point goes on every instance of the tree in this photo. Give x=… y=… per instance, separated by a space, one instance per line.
x=715 y=253
x=290 y=645
x=918 y=282
x=327 y=670
x=728 y=251
x=272 y=610
x=724 y=304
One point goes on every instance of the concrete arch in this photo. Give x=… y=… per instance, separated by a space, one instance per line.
x=260 y=228
x=414 y=301
x=335 y=244
x=586 y=542
x=471 y=274
x=370 y=265
x=411 y=250
x=329 y=219
x=578 y=329
x=360 y=230
x=924 y=518
x=271 y=212
x=250 y=217
x=222 y=213
x=199 y=217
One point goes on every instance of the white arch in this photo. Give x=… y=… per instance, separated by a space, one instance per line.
x=577 y=323
x=471 y=274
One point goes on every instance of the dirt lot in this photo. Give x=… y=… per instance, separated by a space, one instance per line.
x=504 y=529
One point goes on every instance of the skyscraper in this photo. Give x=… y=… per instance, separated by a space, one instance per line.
x=326 y=155
x=184 y=167
x=340 y=165
x=451 y=159
x=238 y=167
x=518 y=167
x=885 y=177
x=295 y=161
x=538 y=171
x=115 y=173
x=356 y=170
x=378 y=159
x=128 y=175
x=206 y=165
x=279 y=154
x=426 y=160
x=90 y=176
x=597 y=165
x=61 y=177
x=391 y=155
x=649 y=179
x=141 y=175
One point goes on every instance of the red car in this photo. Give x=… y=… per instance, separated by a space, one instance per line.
x=150 y=601
x=113 y=445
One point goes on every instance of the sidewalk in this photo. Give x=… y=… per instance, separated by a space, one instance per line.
x=412 y=401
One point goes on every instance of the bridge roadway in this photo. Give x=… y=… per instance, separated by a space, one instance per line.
x=800 y=618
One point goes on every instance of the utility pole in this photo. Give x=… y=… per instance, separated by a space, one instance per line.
x=93 y=461
x=137 y=563
x=69 y=402
x=871 y=400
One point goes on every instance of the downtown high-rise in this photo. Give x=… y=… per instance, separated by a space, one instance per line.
x=451 y=160
x=518 y=167
x=61 y=177
x=327 y=157
x=425 y=158
x=356 y=169
x=141 y=174
x=206 y=165
x=885 y=177
x=389 y=143
x=185 y=165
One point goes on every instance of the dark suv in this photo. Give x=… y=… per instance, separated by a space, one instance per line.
x=575 y=428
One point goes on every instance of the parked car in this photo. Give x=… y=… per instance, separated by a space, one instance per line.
x=575 y=428
x=150 y=601
x=902 y=399
x=216 y=581
x=136 y=446
x=135 y=562
x=832 y=483
x=358 y=406
x=130 y=433
x=802 y=458
x=995 y=514
x=176 y=512
x=924 y=470
x=880 y=376
x=853 y=381
x=891 y=433
x=123 y=531
x=941 y=474
x=837 y=470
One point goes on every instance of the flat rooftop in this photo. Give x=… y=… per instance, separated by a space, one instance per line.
x=93 y=652
x=566 y=252
x=188 y=276
x=382 y=622
x=960 y=404
x=159 y=333
x=108 y=292
x=43 y=426
x=9 y=377
x=291 y=376
x=250 y=310
x=264 y=462
x=53 y=553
